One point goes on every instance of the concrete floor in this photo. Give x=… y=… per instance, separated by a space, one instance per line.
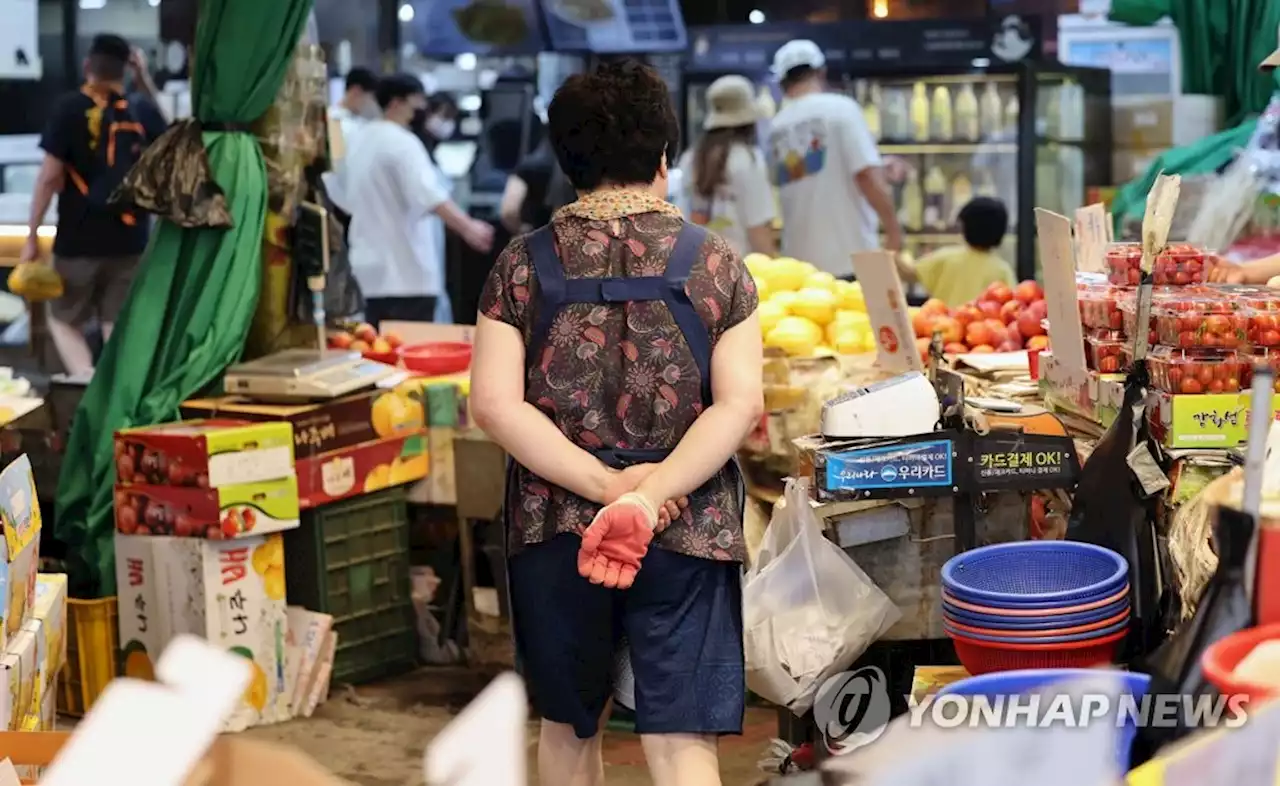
x=375 y=736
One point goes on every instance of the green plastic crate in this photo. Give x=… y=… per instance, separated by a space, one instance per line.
x=350 y=559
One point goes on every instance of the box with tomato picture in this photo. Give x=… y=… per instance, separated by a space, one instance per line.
x=230 y=592
x=361 y=469
x=326 y=426
x=222 y=513
x=21 y=519
x=204 y=453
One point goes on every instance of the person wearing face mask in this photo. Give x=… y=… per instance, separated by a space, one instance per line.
x=433 y=124
x=439 y=121
x=391 y=188
x=359 y=103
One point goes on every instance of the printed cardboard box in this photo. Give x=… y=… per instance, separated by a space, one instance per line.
x=20 y=516
x=49 y=622
x=142 y=618
x=1216 y=420
x=18 y=671
x=327 y=426
x=242 y=510
x=232 y=593
x=204 y=453
x=361 y=469
x=309 y=632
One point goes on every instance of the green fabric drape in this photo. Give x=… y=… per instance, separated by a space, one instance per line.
x=1223 y=41
x=193 y=300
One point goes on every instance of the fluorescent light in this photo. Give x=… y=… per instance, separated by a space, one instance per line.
x=469 y=103
x=466 y=61
x=153 y=3
x=406 y=13
x=92 y=5
x=981 y=62
x=756 y=17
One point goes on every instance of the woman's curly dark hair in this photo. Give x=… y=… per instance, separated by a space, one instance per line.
x=612 y=125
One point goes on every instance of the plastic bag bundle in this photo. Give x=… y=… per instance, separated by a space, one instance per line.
x=35 y=282
x=809 y=611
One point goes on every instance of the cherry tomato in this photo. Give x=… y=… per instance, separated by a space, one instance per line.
x=1269 y=338
x=1182 y=278
x=1232 y=385
x=1206 y=374
x=1217 y=324
x=1187 y=339
x=1191 y=386
x=1217 y=386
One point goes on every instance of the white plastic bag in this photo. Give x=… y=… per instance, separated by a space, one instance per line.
x=809 y=611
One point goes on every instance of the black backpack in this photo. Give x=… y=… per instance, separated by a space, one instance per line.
x=117 y=143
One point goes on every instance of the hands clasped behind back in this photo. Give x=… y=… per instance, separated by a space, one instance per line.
x=618 y=537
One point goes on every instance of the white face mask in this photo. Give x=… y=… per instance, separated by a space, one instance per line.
x=440 y=128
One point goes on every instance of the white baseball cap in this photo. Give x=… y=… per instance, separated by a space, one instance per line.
x=795 y=54
x=1271 y=62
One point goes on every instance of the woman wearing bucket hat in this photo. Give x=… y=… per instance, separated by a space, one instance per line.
x=726 y=176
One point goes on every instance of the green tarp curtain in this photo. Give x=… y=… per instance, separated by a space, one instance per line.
x=195 y=294
x=1223 y=41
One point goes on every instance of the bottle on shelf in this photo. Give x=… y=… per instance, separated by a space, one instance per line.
x=968 y=126
x=920 y=113
x=991 y=111
x=911 y=211
x=1011 y=113
x=986 y=184
x=961 y=193
x=942 y=124
x=871 y=112
x=935 y=200
x=895 y=118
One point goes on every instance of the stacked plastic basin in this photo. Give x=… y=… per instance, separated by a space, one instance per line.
x=1036 y=605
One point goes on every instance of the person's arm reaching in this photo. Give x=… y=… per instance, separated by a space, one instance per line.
x=867 y=170
x=1257 y=272
x=419 y=184
x=871 y=182
x=49 y=182
x=737 y=396
x=762 y=241
x=513 y=196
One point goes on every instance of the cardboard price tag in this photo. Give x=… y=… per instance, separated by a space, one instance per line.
x=485 y=744
x=887 y=308
x=1059 y=269
x=1091 y=238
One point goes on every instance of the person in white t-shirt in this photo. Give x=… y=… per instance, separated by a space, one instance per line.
x=359 y=103
x=390 y=187
x=829 y=173
x=726 y=178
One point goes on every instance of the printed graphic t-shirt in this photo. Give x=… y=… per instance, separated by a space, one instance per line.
x=817 y=144
x=743 y=201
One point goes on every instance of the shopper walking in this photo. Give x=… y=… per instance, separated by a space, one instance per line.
x=433 y=124
x=618 y=362
x=359 y=103
x=91 y=141
x=726 y=178
x=830 y=177
x=389 y=187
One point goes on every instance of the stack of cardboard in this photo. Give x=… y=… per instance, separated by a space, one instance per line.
x=313 y=644
x=199 y=510
x=1143 y=127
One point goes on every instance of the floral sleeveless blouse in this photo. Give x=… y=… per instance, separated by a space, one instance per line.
x=622 y=375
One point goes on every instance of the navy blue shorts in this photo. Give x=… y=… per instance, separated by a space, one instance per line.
x=682 y=619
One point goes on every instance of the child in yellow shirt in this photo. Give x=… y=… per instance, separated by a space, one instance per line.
x=959 y=274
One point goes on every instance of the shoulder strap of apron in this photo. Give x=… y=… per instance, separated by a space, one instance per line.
x=683 y=257
x=551 y=288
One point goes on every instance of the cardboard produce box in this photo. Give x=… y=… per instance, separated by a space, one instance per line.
x=18 y=670
x=49 y=624
x=204 y=453
x=230 y=593
x=1164 y=121
x=360 y=469
x=20 y=516
x=222 y=513
x=326 y=426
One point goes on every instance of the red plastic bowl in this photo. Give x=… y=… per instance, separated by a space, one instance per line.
x=1222 y=657
x=390 y=358
x=437 y=358
x=1035 y=634
x=982 y=657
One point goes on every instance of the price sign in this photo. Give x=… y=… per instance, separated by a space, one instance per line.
x=19 y=47
x=916 y=465
x=1024 y=461
x=1091 y=238
x=887 y=308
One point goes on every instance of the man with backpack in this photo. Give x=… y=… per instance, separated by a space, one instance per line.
x=92 y=139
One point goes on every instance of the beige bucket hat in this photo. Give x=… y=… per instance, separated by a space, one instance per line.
x=731 y=102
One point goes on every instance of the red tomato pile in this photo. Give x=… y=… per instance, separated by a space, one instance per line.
x=1106 y=351
x=1203 y=323
x=1179 y=371
x=1002 y=320
x=1178 y=265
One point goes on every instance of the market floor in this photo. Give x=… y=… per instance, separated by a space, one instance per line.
x=376 y=735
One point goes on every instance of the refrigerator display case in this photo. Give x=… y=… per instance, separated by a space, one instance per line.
x=1032 y=134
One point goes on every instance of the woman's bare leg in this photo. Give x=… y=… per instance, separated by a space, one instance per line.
x=564 y=759
x=682 y=759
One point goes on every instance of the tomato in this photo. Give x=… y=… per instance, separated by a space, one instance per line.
x=1270 y=338
x=1217 y=324
x=1187 y=340
x=1182 y=278
x=1205 y=373
x=1194 y=267
x=1134 y=277
x=1109 y=365
x=1191 y=386
x=1115 y=320
x=1232 y=385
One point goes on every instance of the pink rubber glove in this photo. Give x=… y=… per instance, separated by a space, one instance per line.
x=616 y=541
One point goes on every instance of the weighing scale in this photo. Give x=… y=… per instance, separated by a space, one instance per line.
x=305 y=374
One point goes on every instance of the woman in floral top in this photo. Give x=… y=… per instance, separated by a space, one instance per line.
x=618 y=362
